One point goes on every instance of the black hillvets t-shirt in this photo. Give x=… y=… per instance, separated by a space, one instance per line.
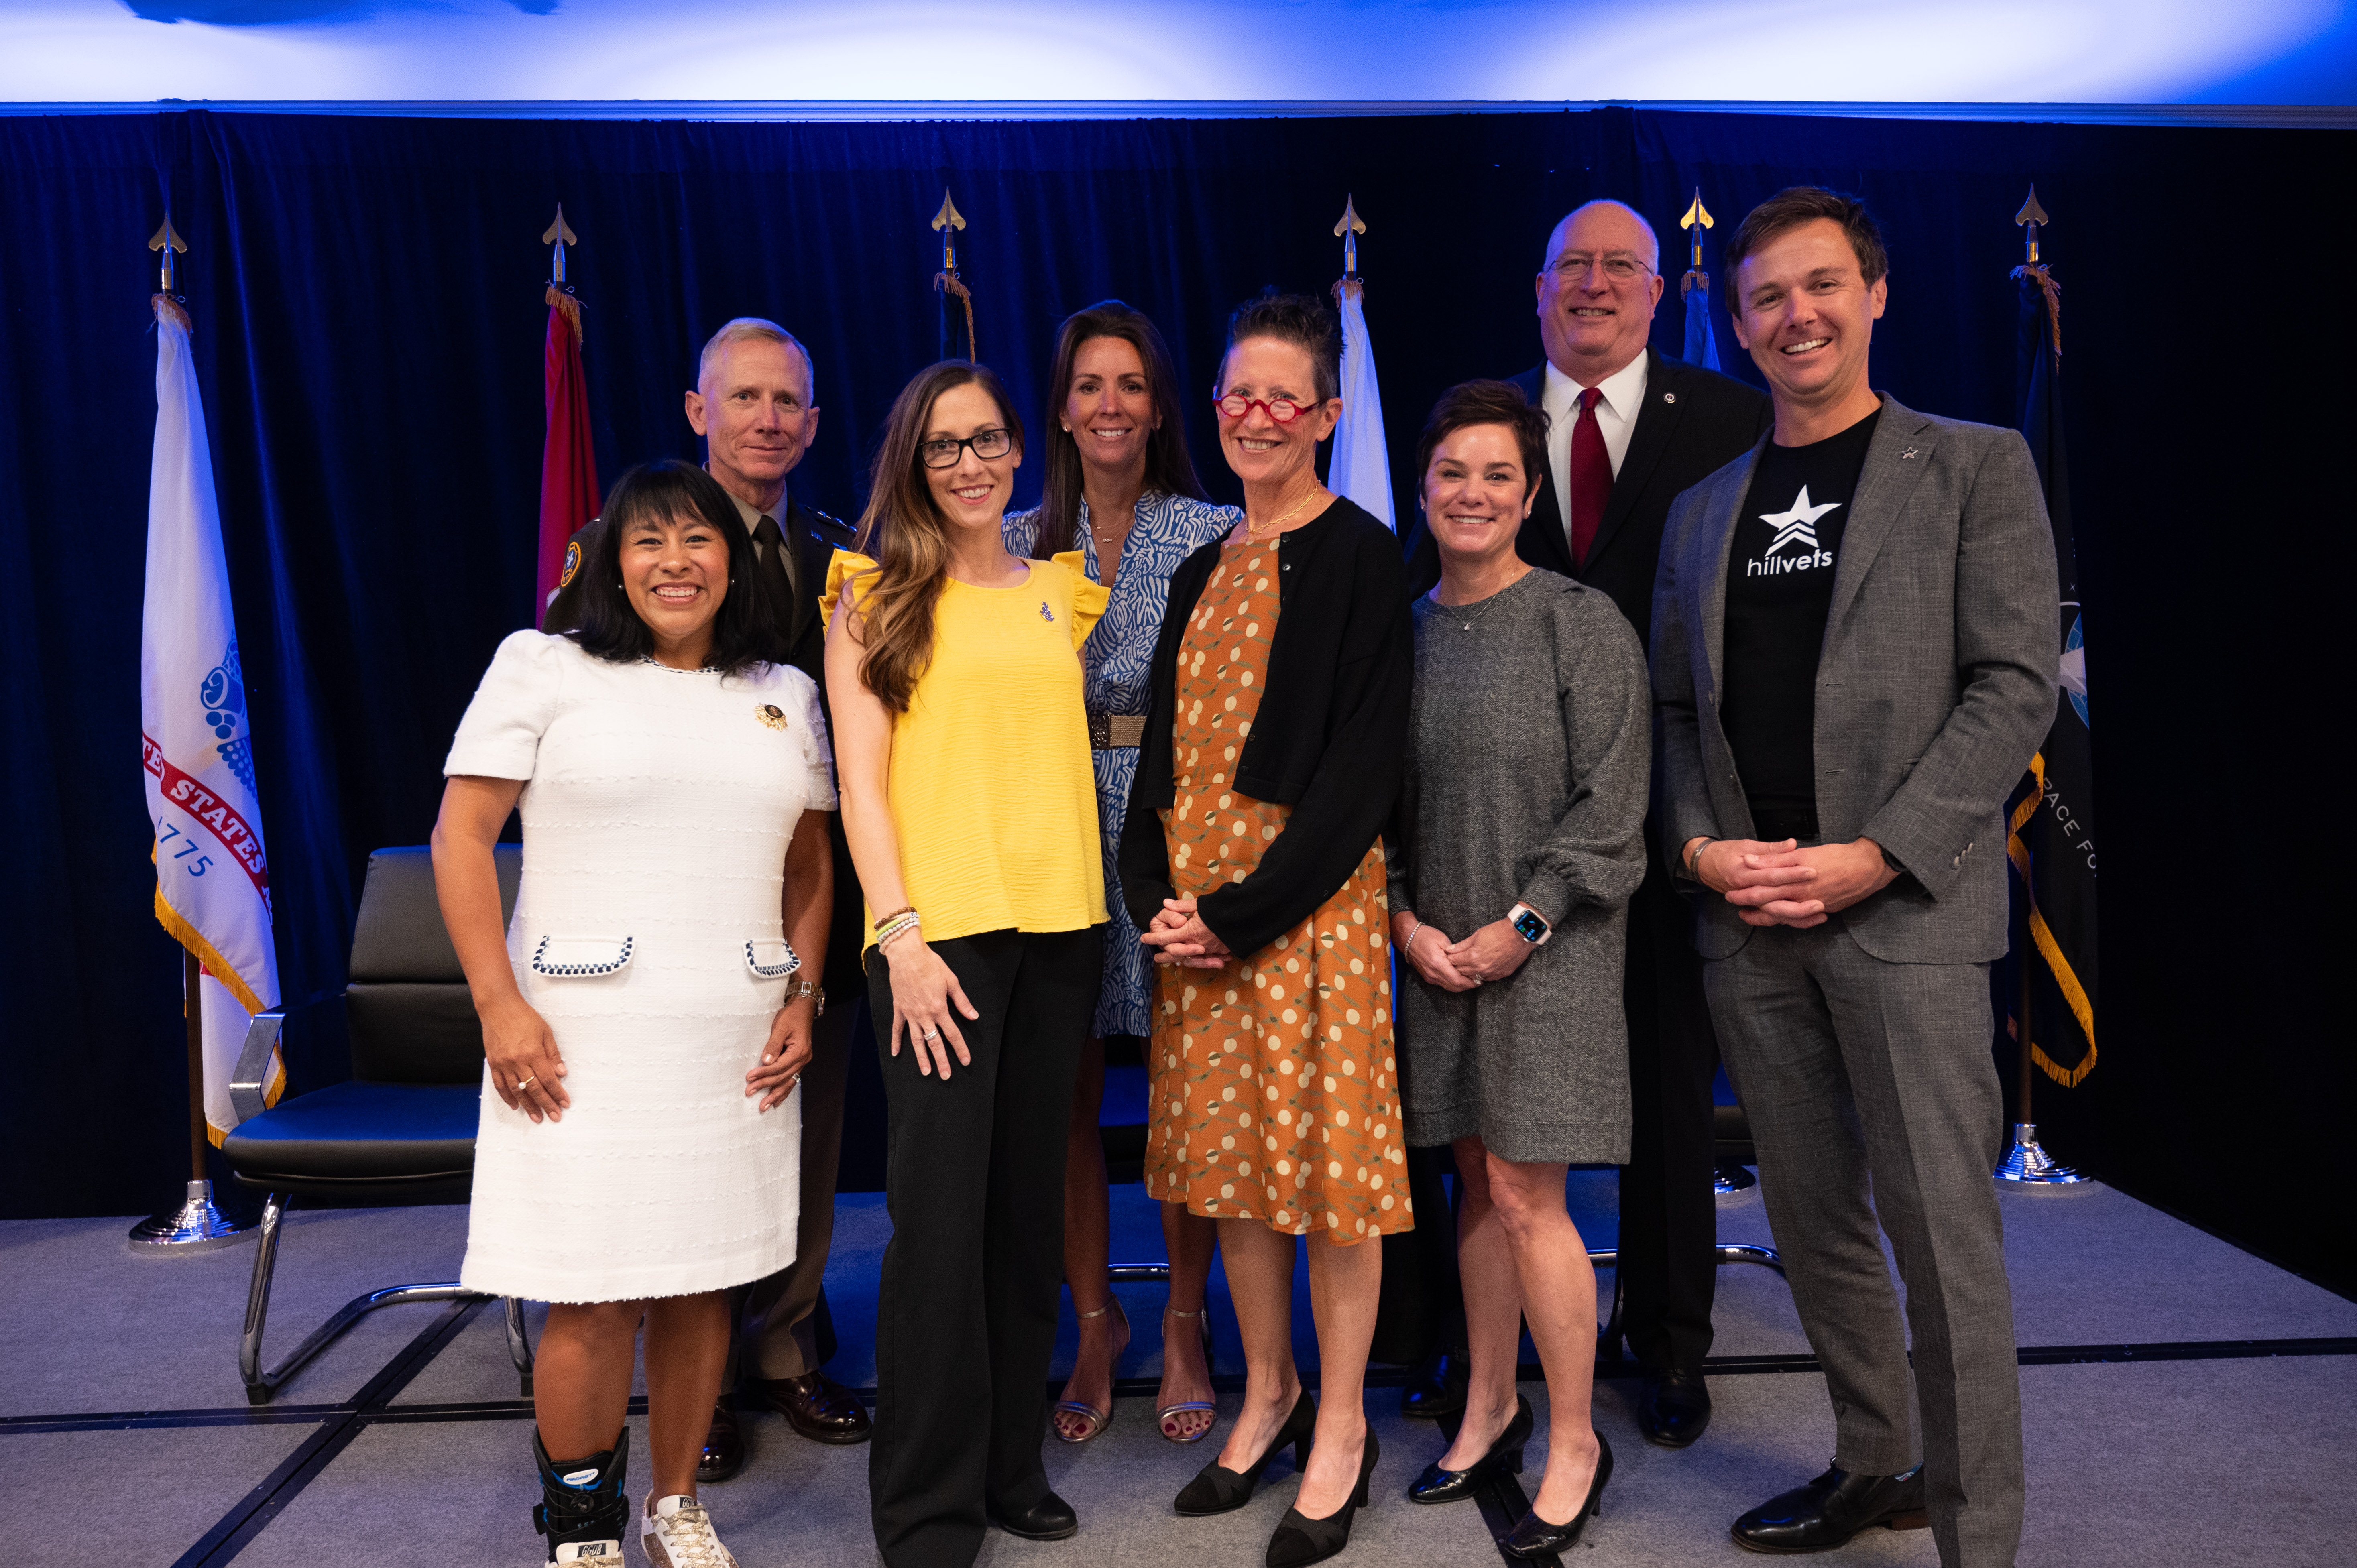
x=1780 y=586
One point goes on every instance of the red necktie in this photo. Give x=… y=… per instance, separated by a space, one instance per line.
x=1591 y=477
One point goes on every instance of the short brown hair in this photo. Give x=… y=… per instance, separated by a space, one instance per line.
x=1469 y=403
x=1787 y=210
x=1303 y=320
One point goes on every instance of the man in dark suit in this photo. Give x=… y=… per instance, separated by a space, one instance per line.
x=1855 y=657
x=1631 y=428
x=752 y=404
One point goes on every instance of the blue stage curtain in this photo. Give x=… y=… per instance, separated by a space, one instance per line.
x=367 y=299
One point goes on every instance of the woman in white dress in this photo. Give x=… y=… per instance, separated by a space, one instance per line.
x=643 y=1024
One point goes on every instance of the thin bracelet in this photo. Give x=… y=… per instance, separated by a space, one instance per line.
x=1694 y=861
x=1410 y=944
x=904 y=924
x=884 y=920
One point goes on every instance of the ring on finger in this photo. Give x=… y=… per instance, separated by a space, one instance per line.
x=933 y=1034
x=524 y=1083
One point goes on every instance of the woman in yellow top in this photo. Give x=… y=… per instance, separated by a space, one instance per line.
x=962 y=751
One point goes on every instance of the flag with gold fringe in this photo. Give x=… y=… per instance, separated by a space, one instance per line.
x=212 y=876
x=2051 y=836
x=568 y=460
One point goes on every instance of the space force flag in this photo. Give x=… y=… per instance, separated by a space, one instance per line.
x=2052 y=842
x=212 y=879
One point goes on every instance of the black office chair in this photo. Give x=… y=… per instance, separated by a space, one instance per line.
x=1732 y=1156
x=402 y=1129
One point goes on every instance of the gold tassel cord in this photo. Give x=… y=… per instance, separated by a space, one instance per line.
x=2042 y=936
x=2053 y=305
x=168 y=309
x=568 y=307
x=950 y=283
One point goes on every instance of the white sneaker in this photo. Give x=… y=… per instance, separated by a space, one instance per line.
x=599 y=1553
x=678 y=1534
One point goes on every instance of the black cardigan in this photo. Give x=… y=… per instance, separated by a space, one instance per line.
x=1330 y=739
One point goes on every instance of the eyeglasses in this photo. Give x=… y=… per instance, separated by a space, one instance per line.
x=1283 y=410
x=1619 y=269
x=941 y=452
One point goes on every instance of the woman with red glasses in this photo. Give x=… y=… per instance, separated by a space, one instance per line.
x=1274 y=740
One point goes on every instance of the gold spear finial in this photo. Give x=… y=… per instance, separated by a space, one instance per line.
x=1696 y=219
x=947 y=220
x=2030 y=216
x=167 y=239
x=559 y=234
x=1347 y=227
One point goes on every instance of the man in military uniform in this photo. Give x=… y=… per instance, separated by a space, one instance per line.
x=752 y=404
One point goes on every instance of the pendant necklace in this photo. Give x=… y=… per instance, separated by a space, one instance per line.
x=1464 y=621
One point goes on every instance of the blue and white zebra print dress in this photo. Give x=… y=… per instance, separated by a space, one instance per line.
x=1117 y=660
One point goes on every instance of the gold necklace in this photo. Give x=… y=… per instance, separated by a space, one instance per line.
x=1256 y=536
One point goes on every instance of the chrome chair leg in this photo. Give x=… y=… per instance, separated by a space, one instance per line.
x=1745 y=1252
x=518 y=1345
x=262 y=1386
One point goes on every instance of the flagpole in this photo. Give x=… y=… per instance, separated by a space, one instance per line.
x=2025 y=1161
x=196 y=1226
x=946 y=281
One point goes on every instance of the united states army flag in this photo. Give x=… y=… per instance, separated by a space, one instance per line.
x=212 y=879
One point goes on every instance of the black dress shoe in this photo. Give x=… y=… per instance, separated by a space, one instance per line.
x=1218 y=1489
x=813 y=1404
x=1300 y=1540
x=1534 y=1538
x=1673 y=1409
x=1830 y=1510
x=1049 y=1519
x=1437 y=1390
x=724 y=1446
x=1439 y=1486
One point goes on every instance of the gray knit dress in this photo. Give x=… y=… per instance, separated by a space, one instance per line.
x=1530 y=742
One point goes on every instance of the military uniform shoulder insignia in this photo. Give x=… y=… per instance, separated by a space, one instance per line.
x=823 y=522
x=572 y=563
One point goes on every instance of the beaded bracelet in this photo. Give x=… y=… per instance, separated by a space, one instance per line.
x=908 y=922
x=884 y=920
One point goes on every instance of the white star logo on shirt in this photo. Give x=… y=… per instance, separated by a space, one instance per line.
x=1798 y=525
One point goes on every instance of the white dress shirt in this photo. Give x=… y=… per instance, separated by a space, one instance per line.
x=1616 y=415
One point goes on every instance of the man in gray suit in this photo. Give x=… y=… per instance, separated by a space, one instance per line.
x=1854 y=646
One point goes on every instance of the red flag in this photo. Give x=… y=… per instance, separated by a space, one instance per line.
x=568 y=463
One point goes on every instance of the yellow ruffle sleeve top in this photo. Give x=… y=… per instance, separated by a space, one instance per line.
x=993 y=794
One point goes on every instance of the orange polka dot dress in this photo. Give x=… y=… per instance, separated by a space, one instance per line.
x=1275 y=1092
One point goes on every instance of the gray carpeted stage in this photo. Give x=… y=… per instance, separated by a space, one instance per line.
x=2162 y=1370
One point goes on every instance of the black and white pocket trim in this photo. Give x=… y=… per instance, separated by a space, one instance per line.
x=772 y=971
x=578 y=957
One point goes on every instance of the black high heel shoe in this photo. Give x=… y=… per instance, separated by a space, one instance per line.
x=1534 y=1538
x=1300 y=1540
x=1218 y=1489
x=1439 y=1486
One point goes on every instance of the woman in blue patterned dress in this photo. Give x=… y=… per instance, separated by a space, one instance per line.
x=1122 y=489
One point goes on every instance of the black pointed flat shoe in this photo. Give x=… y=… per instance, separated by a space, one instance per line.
x=1439 y=1486
x=1218 y=1489
x=1536 y=1538
x=1300 y=1540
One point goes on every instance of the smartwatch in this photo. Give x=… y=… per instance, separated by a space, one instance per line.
x=1530 y=925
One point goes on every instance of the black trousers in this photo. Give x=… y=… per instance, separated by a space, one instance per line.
x=1669 y=1220
x=965 y=1319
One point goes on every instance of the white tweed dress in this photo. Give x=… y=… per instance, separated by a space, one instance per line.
x=657 y=807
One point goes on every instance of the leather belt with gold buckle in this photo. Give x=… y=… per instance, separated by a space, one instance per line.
x=1117 y=732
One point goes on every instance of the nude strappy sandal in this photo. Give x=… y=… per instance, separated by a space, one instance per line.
x=1203 y=1318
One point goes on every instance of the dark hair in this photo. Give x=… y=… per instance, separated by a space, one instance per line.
x=1304 y=320
x=1791 y=208
x=745 y=632
x=1486 y=403
x=908 y=536
x=1168 y=469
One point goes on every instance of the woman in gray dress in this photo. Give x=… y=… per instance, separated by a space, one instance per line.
x=1516 y=845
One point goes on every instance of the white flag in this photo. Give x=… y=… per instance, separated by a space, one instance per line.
x=1360 y=468
x=212 y=879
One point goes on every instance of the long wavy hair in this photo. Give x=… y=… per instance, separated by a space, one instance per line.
x=745 y=632
x=1168 y=469
x=908 y=536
